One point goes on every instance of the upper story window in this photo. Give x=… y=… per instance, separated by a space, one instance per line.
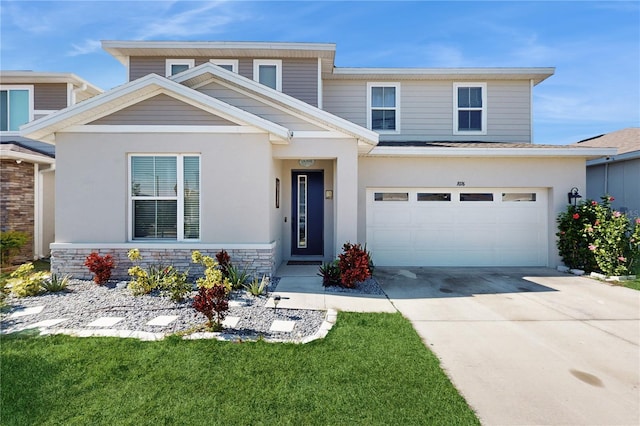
x=16 y=107
x=228 y=64
x=383 y=107
x=268 y=72
x=470 y=108
x=165 y=197
x=174 y=66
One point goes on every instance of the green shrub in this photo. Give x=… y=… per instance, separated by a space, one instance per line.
x=236 y=277
x=24 y=282
x=330 y=273
x=10 y=243
x=257 y=287
x=212 y=274
x=593 y=237
x=167 y=279
x=55 y=283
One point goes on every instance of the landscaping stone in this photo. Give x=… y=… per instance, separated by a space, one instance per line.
x=577 y=272
x=562 y=268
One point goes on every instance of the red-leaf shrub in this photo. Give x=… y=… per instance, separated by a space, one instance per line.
x=224 y=262
x=354 y=265
x=101 y=266
x=212 y=301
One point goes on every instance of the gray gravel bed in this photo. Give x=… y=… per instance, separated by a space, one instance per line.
x=369 y=286
x=84 y=302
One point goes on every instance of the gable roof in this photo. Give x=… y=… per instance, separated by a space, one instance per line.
x=626 y=140
x=202 y=74
x=30 y=77
x=139 y=90
x=23 y=149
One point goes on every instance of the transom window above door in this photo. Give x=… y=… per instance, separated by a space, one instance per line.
x=383 y=107
x=469 y=108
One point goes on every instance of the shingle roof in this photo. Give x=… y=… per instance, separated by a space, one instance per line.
x=35 y=146
x=470 y=144
x=626 y=140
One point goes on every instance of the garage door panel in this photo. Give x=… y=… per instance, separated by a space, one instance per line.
x=509 y=231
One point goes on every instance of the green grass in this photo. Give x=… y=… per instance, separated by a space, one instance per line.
x=371 y=369
x=635 y=284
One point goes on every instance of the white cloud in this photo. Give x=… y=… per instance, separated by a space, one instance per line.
x=88 y=46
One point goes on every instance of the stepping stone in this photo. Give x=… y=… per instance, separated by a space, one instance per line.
x=105 y=322
x=48 y=323
x=236 y=304
x=163 y=320
x=283 y=326
x=231 y=322
x=27 y=311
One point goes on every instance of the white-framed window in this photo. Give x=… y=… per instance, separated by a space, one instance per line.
x=16 y=107
x=268 y=72
x=174 y=66
x=228 y=64
x=383 y=107
x=469 y=108
x=164 y=195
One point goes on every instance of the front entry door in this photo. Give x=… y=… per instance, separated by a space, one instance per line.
x=307 y=215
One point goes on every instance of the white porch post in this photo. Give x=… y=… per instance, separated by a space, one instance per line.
x=346 y=199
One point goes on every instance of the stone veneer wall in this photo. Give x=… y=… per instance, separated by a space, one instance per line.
x=17 y=203
x=256 y=262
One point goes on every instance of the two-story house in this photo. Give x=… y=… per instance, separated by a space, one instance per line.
x=270 y=151
x=27 y=168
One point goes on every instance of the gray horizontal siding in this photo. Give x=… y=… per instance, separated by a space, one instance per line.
x=163 y=110
x=256 y=107
x=50 y=96
x=299 y=76
x=426 y=109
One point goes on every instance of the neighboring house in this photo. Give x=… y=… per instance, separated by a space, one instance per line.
x=271 y=152
x=27 y=168
x=617 y=175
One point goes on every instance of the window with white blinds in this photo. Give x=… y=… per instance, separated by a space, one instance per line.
x=165 y=197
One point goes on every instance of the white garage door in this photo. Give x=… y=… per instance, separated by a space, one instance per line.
x=457 y=226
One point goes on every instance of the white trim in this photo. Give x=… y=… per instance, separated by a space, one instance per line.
x=414 y=151
x=320 y=88
x=31 y=77
x=232 y=62
x=370 y=86
x=269 y=62
x=37 y=211
x=328 y=134
x=260 y=92
x=71 y=96
x=157 y=128
x=44 y=111
x=483 y=109
x=30 y=90
x=531 y=110
x=170 y=62
x=615 y=158
x=8 y=154
x=189 y=245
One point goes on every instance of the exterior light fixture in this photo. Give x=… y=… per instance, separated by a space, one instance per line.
x=276 y=300
x=573 y=195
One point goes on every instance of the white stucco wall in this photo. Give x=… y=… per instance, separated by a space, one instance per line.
x=558 y=175
x=92 y=176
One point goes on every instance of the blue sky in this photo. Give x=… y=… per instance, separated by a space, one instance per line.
x=595 y=46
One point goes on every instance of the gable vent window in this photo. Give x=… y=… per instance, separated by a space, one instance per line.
x=470 y=105
x=16 y=107
x=383 y=107
x=227 y=64
x=268 y=72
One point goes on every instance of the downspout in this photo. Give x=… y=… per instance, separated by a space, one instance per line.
x=40 y=234
x=37 y=212
x=606 y=178
x=531 y=110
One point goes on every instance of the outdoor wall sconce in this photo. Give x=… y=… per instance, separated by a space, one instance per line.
x=328 y=194
x=573 y=195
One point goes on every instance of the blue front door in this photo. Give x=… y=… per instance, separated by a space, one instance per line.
x=307 y=215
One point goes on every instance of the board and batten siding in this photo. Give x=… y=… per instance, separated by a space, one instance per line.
x=256 y=107
x=163 y=110
x=299 y=75
x=426 y=109
x=49 y=96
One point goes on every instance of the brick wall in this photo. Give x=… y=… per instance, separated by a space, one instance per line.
x=17 y=203
x=256 y=262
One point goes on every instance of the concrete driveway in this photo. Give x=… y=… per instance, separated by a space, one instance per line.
x=528 y=345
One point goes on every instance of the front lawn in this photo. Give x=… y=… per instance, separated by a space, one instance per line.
x=370 y=369
x=635 y=284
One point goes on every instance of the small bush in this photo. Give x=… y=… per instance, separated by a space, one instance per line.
x=167 y=279
x=236 y=277
x=224 y=262
x=330 y=273
x=24 y=282
x=257 y=287
x=212 y=274
x=212 y=301
x=100 y=266
x=10 y=243
x=354 y=265
x=55 y=283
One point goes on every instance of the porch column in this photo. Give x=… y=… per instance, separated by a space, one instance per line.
x=346 y=199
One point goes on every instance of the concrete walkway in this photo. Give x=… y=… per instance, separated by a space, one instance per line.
x=301 y=288
x=528 y=346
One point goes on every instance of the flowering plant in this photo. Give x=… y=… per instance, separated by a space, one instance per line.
x=165 y=278
x=594 y=237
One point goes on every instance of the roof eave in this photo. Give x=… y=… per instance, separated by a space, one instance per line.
x=587 y=153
